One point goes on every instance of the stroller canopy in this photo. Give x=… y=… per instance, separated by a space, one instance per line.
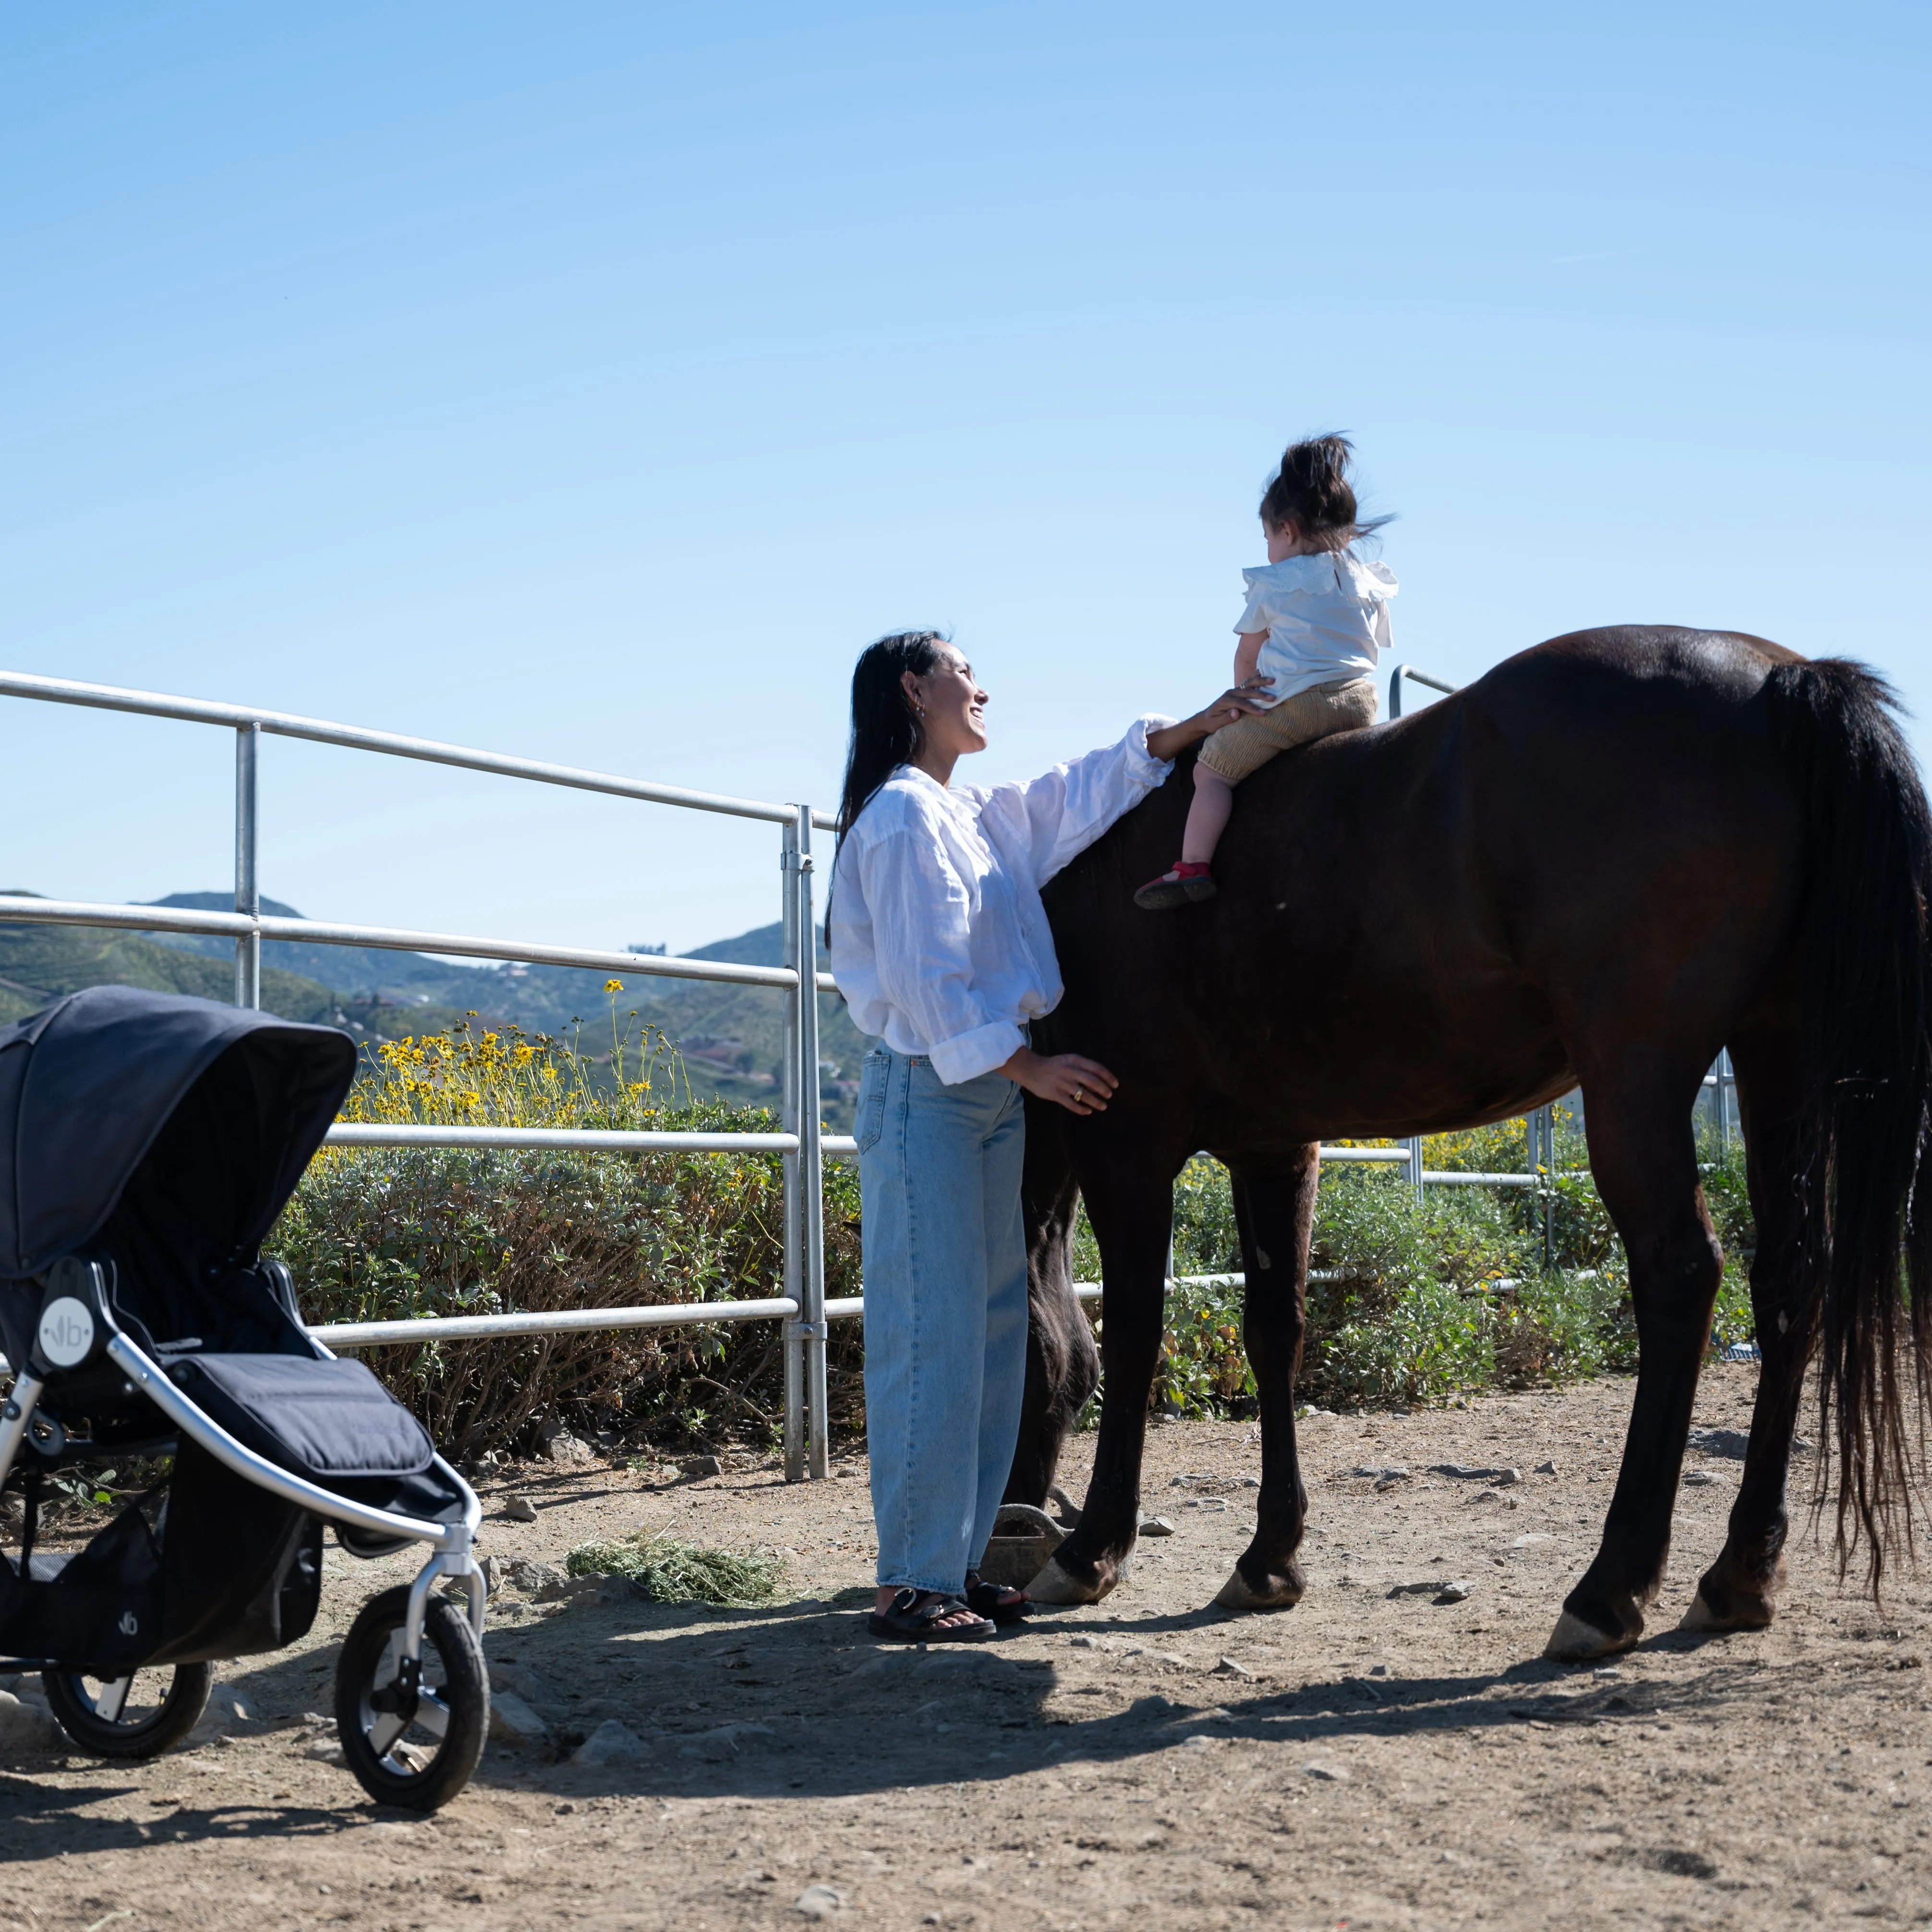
x=208 y=1114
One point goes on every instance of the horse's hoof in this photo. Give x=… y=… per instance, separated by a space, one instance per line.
x=1750 y=1613
x=1574 y=1641
x=1700 y=1616
x=1238 y=1594
x=1055 y=1586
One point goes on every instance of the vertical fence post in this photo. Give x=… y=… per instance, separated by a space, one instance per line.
x=811 y=1166
x=1542 y=1156
x=1415 y=1146
x=247 y=886
x=794 y=1204
x=1723 y=1103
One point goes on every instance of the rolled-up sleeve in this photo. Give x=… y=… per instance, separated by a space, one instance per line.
x=922 y=916
x=1055 y=818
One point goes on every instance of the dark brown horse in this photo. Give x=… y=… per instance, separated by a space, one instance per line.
x=1614 y=855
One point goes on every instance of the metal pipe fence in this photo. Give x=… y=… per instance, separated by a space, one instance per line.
x=803 y=1146
x=1415 y=677
x=800 y=1144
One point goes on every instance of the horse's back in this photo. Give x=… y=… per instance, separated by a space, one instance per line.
x=1599 y=814
x=1633 y=697
x=1645 y=742
x=1608 y=811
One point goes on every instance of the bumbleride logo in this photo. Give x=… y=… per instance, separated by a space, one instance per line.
x=66 y=1331
x=131 y=1625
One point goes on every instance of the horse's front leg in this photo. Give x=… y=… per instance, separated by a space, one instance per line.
x=1130 y=1204
x=1275 y=1211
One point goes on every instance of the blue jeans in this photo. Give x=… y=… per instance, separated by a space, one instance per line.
x=946 y=1310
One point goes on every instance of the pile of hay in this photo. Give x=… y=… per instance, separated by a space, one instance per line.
x=668 y=1571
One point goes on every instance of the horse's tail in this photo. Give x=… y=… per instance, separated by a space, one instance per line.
x=1867 y=1002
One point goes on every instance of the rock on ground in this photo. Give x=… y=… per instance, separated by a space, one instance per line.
x=611 y=1743
x=228 y=1712
x=26 y=1724
x=514 y=1722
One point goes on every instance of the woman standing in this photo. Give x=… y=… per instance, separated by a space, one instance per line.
x=940 y=946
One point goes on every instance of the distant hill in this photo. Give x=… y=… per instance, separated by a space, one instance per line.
x=38 y=964
x=731 y=1037
x=717 y=1026
x=540 y=999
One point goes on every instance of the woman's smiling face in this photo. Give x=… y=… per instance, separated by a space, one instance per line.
x=949 y=704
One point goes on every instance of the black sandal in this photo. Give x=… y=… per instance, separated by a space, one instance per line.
x=1000 y=1601
x=915 y=1617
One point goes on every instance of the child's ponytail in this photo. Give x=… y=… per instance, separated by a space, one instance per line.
x=1311 y=491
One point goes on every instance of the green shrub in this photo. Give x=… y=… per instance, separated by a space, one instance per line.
x=1411 y=1299
x=1425 y=1341
x=389 y=1233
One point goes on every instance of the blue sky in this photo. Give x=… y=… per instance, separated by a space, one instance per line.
x=592 y=382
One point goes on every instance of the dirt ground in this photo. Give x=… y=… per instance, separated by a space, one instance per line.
x=1364 y=1760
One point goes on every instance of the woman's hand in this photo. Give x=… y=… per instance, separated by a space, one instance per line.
x=1081 y=1085
x=1240 y=700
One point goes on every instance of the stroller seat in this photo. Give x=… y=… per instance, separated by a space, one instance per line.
x=326 y=1420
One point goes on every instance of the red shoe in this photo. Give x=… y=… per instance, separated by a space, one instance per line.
x=1185 y=883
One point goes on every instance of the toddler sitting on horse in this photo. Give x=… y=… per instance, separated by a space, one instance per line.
x=1317 y=617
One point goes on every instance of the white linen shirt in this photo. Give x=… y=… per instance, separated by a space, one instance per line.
x=939 y=941
x=1326 y=616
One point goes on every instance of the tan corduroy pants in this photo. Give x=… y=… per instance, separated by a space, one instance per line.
x=1246 y=745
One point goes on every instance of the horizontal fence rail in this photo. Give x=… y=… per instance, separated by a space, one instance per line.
x=358 y=738
x=557 y=1140
x=28 y=911
x=411 y=1330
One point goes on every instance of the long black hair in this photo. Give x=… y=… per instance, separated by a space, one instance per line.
x=885 y=732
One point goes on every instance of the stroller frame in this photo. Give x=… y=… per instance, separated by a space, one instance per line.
x=451 y=1542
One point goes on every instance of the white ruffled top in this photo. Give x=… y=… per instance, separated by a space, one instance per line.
x=1326 y=616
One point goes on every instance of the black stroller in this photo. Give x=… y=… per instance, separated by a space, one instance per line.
x=147 y=1143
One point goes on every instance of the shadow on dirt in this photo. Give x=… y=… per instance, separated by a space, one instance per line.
x=766 y=1704
x=37 y=1823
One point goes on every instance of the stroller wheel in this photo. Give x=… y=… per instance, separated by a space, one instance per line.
x=139 y=1715
x=416 y=1747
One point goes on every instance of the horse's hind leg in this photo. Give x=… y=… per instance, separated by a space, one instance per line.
x=1643 y=1155
x=1738 y=1591
x=1275 y=1213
